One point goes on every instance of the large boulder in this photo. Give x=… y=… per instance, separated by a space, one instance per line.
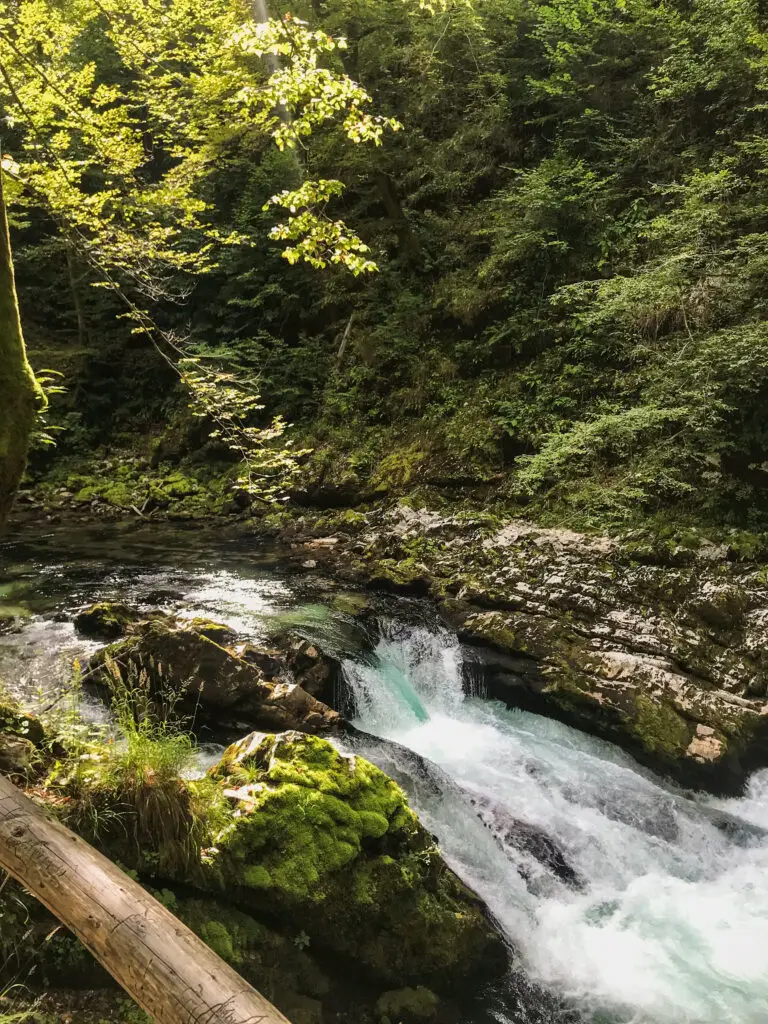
x=105 y=620
x=173 y=660
x=327 y=842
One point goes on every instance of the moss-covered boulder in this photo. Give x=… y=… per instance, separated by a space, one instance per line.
x=105 y=620
x=176 y=660
x=327 y=842
x=408 y=1005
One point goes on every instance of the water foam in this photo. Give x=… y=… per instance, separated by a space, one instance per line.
x=672 y=922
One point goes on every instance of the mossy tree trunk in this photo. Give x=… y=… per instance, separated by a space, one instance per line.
x=20 y=395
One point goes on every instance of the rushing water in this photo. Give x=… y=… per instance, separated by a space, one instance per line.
x=670 y=923
x=662 y=914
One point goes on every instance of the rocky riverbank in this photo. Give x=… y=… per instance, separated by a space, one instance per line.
x=657 y=644
x=659 y=648
x=301 y=866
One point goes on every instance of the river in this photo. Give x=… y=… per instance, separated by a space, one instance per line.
x=663 y=918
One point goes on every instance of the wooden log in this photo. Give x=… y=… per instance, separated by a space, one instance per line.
x=159 y=962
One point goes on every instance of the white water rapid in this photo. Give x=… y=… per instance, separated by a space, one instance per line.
x=670 y=922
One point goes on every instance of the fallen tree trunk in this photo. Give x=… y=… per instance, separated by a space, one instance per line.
x=159 y=962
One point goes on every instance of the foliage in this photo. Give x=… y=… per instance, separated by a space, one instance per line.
x=125 y=785
x=118 y=118
x=122 y=115
x=230 y=405
x=571 y=234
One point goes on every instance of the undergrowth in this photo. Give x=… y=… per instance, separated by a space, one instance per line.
x=125 y=783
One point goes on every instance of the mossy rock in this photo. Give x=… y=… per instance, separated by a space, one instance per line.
x=18 y=756
x=407 y=574
x=106 y=620
x=327 y=841
x=283 y=972
x=15 y=722
x=659 y=728
x=170 y=660
x=215 y=631
x=409 y=1005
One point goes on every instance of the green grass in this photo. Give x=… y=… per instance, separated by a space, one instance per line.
x=126 y=783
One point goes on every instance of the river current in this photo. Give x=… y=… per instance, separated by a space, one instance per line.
x=664 y=918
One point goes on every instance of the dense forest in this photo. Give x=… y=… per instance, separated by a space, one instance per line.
x=570 y=235
x=383 y=511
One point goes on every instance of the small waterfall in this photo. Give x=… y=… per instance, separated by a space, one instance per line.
x=413 y=672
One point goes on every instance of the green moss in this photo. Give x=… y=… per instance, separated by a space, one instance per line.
x=105 y=620
x=396 y=470
x=211 y=630
x=401 y=573
x=328 y=842
x=113 y=492
x=312 y=821
x=256 y=876
x=659 y=727
x=493 y=627
x=216 y=935
x=350 y=604
x=274 y=963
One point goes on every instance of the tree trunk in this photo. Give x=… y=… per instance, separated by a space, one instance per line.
x=20 y=395
x=74 y=287
x=409 y=245
x=170 y=973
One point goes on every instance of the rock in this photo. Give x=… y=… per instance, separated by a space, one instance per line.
x=641 y=700
x=286 y=974
x=639 y=644
x=310 y=668
x=21 y=735
x=17 y=755
x=326 y=842
x=269 y=661
x=521 y=835
x=408 y=1005
x=14 y=721
x=175 y=660
x=221 y=635
x=291 y=658
x=106 y=620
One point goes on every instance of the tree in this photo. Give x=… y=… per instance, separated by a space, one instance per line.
x=121 y=110
x=20 y=394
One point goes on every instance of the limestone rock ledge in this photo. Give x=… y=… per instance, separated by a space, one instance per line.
x=664 y=651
